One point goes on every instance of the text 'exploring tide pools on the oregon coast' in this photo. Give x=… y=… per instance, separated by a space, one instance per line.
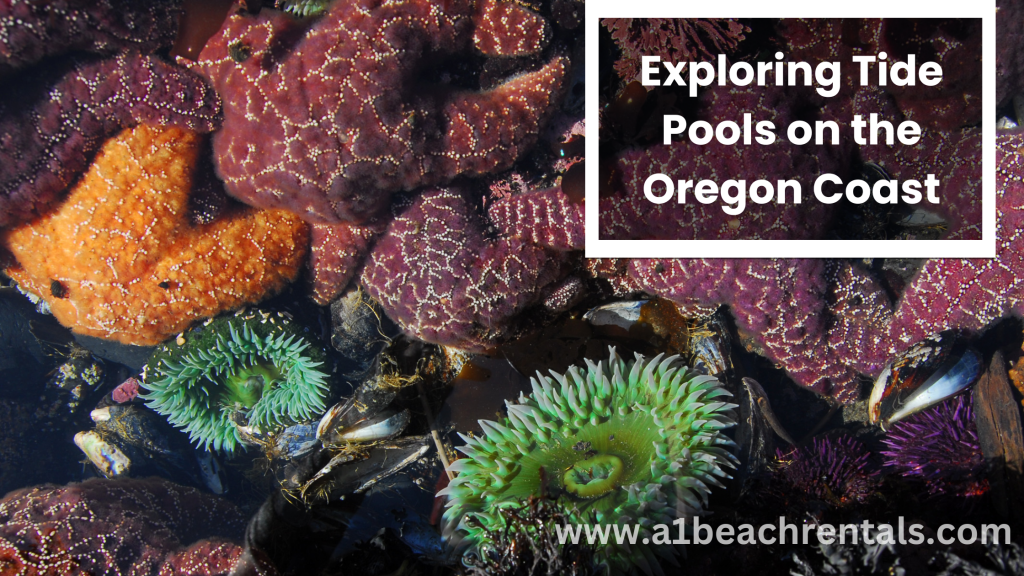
x=832 y=129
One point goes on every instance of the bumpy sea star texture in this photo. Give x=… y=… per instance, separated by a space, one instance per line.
x=859 y=310
x=824 y=323
x=971 y=293
x=31 y=30
x=328 y=122
x=781 y=302
x=674 y=39
x=437 y=275
x=50 y=126
x=862 y=330
x=121 y=258
x=336 y=256
x=504 y=28
x=117 y=527
x=952 y=156
x=544 y=217
x=627 y=214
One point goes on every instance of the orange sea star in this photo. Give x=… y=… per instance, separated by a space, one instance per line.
x=122 y=259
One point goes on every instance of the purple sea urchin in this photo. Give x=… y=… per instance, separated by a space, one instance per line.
x=831 y=469
x=939 y=447
x=617 y=443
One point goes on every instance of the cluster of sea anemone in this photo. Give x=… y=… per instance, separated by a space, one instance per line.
x=252 y=369
x=617 y=443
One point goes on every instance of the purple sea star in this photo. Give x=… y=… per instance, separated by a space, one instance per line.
x=436 y=273
x=327 y=122
x=824 y=322
x=123 y=526
x=31 y=30
x=337 y=255
x=971 y=293
x=50 y=127
x=543 y=217
x=862 y=330
x=626 y=214
x=781 y=302
x=674 y=39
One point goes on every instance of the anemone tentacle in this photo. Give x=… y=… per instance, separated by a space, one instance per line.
x=615 y=442
x=304 y=8
x=256 y=364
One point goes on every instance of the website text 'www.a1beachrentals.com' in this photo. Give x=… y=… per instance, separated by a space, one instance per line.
x=693 y=531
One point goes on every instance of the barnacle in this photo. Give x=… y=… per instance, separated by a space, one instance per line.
x=618 y=442
x=257 y=366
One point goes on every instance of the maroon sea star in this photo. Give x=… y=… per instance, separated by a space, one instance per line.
x=780 y=302
x=674 y=39
x=626 y=214
x=972 y=293
x=543 y=217
x=437 y=274
x=50 y=127
x=31 y=30
x=825 y=322
x=328 y=122
x=123 y=526
x=337 y=254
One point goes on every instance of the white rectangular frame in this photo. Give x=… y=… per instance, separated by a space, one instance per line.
x=983 y=248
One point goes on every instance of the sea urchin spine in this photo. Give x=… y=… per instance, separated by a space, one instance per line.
x=939 y=447
x=618 y=442
x=835 y=470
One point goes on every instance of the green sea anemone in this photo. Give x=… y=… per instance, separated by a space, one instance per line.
x=303 y=8
x=623 y=443
x=253 y=369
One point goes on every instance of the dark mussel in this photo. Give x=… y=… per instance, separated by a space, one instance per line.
x=930 y=371
x=363 y=416
x=755 y=436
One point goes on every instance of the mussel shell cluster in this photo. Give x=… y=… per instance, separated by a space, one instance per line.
x=930 y=371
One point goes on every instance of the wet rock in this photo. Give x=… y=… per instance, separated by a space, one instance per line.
x=384 y=554
x=359 y=331
x=71 y=385
x=30 y=454
x=134 y=357
x=999 y=432
x=23 y=360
